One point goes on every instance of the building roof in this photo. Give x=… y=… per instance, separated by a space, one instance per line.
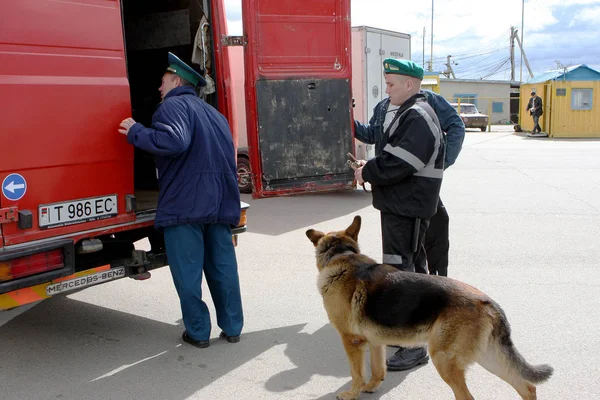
x=579 y=72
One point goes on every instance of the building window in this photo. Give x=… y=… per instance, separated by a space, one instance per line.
x=466 y=98
x=497 y=107
x=581 y=99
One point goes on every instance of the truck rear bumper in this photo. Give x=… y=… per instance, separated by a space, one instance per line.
x=38 y=287
x=31 y=294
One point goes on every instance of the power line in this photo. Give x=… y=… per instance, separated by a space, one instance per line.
x=477 y=65
x=472 y=64
x=482 y=51
x=491 y=44
x=487 y=69
x=497 y=69
x=479 y=61
x=481 y=54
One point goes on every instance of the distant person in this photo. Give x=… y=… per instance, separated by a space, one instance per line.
x=535 y=109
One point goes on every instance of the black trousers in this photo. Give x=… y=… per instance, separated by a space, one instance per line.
x=437 y=242
x=402 y=239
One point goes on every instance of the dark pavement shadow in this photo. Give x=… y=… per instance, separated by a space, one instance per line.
x=66 y=349
x=322 y=353
x=275 y=216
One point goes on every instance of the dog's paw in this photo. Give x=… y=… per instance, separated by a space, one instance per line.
x=371 y=386
x=347 y=395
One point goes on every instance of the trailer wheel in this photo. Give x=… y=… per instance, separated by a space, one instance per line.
x=244 y=175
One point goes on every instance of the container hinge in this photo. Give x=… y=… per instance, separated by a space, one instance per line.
x=9 y=214
x=234 y=41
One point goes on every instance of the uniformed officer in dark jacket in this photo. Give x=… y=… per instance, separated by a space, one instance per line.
x=198 y=202
x=437 y=242
x=406 y=177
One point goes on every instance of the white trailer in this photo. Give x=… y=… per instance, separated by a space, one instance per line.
x=370 y=46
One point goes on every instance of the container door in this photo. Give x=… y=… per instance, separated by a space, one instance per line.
x=375 y=80
x=547 y=107
x=394 y=46
x=298 y=95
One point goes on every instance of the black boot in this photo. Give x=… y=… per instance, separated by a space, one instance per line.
x=230 y=339
x=201 y=344
x=407 y=358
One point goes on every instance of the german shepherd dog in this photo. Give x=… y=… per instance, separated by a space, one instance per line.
x=377 y=305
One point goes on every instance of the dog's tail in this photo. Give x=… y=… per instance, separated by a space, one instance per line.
x=512 y=358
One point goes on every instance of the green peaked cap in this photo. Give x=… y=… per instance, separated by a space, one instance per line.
x=183 y=70
x=402 y=67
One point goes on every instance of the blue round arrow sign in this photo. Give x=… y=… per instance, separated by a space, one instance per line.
x=14 y=187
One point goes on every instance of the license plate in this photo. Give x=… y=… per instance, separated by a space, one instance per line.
x=85 y=281
x=77 y=211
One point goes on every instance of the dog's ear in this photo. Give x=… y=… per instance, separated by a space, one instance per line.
x=314 y=236
x=353 y=229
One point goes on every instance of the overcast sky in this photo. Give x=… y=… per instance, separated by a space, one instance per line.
x=476 y=32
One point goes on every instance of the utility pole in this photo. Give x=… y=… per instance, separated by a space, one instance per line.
x=512 y=52
x=449 y=71
x=524 y=57
x=423 y=47
x=521 y=43
x=431 y=64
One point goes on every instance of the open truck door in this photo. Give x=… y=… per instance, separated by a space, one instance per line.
x=298 y=95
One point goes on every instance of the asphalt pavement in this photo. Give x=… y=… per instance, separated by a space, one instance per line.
x=524 y=222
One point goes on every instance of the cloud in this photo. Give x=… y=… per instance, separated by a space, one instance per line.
x=588 y=14
x=476 y=32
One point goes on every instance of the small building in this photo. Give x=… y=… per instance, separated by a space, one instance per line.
x=571 y=102
x=431 y=81
x=491 y=97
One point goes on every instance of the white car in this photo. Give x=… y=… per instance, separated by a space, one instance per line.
x=471 y=116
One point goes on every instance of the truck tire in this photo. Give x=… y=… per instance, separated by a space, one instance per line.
x=244 y=175
x=483 y=128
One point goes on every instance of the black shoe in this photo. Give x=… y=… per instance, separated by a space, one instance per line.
x=230 y=339
x=405 y=359
x=201 y=344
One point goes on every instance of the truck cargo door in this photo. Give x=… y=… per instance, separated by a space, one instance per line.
x=298 y=95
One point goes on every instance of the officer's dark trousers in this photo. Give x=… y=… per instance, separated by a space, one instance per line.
x=437 y=243
x=196 y=248
x=398 y=234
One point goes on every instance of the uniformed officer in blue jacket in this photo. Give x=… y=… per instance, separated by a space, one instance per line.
x=198 y=201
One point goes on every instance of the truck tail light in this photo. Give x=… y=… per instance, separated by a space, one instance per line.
x=31 y=265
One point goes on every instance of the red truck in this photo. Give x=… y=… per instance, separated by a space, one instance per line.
x=75 y=196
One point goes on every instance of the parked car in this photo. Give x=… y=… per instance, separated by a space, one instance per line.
x=471 y=116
